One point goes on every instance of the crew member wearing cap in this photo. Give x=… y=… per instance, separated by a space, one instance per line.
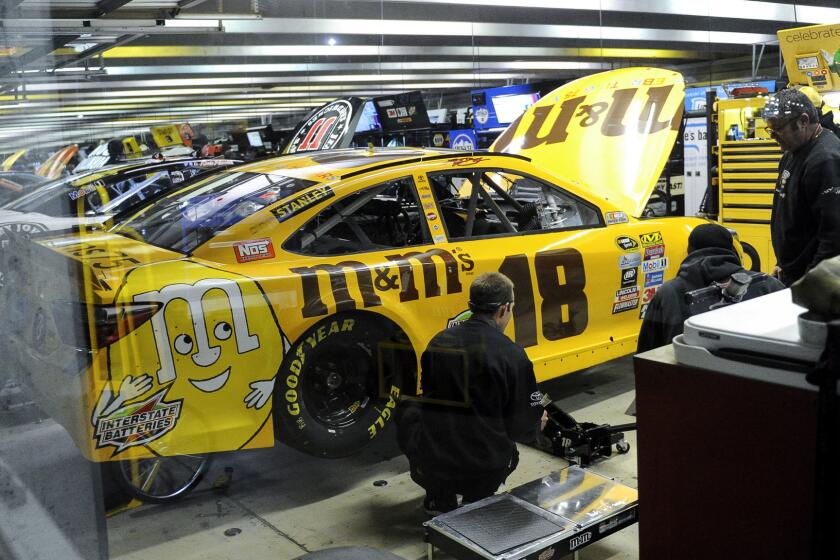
x=711 y=258
x=479 y=397
x=805 y=223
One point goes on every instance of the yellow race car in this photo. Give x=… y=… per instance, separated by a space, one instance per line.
x=291 y=298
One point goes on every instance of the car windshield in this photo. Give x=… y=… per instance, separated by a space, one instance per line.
x=54 y=198
x=186 y=219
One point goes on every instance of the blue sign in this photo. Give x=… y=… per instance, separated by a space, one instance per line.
x=463 y=140
x=695 y=98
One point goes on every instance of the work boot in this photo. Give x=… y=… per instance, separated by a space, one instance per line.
x=434 y=507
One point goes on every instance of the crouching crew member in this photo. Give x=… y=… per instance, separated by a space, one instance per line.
x=479 y=397
x=711 y=258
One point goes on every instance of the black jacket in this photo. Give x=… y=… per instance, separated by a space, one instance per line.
x=668 y=310
x=805 y=224
x=488 y=398
x=827 y=121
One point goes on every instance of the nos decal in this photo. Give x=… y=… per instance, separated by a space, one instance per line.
x=253 y=250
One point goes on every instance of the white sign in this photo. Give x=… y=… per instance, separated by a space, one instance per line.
x=695 y=158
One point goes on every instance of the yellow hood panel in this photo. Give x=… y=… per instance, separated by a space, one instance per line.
x=610 y=132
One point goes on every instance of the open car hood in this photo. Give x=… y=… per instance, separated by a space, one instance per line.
x=610 y=133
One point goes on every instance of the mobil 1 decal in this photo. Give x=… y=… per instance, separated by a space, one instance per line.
x=328 y=127
x=415 y=276
x=654 y=265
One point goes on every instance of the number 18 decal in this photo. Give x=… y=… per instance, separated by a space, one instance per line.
x=563 y=309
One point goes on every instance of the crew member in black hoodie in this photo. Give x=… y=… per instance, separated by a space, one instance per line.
x=711 y=258
x=479 y=396
x=805 y=223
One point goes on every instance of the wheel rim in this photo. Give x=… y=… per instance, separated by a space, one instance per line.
x=163 y=477
x=338 y=386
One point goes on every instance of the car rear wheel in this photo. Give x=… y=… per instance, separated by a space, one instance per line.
x=340 y=382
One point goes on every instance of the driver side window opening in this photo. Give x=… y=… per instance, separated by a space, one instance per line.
x=486 y=202
x=384 y=216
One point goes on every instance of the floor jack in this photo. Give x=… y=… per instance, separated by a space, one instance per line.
x=583 y=442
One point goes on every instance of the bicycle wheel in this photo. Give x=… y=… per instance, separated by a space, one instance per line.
x=158 y=480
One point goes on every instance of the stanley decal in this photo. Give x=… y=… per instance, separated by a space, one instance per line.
x=302 y=202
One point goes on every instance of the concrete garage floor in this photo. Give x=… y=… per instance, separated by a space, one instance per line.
x=282 y=503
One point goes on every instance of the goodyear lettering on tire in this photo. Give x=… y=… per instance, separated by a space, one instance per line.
x=293 y=379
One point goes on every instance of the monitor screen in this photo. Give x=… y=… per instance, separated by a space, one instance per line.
x=502 y=105
x=255 y=140
x=807 y=62
x=437 y=116
x=509 y=107
x=369 y=119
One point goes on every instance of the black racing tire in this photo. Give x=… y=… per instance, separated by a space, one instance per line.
x=755 y=260
x=340 y=382
x=159 y=480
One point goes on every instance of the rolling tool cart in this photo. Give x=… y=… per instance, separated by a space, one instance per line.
x=545 y=519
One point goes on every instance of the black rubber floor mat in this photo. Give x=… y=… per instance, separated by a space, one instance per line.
x=502 y=526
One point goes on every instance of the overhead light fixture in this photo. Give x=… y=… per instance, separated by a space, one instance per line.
x=331 y=41
x=217 y=16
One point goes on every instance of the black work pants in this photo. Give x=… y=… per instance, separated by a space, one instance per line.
x=442 y=487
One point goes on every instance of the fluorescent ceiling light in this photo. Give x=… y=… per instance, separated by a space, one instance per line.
x=477 y=66
x=476 y=29
x=268 y=81
x=740 y=9
x=212 y=51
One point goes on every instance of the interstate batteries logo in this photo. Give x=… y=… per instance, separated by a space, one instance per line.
x=138 y=423
x=323 y=130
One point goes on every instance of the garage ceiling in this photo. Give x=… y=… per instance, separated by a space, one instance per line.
x=74 y=70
